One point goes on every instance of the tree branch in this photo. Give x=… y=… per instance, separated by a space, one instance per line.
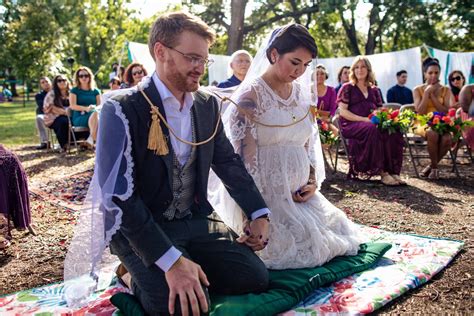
x=295 y=14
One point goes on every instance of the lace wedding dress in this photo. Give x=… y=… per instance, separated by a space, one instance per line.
x=279 y=159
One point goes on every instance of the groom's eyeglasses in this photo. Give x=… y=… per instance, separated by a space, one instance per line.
x=194 y=60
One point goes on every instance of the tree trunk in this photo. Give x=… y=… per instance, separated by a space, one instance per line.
x=236 y=30
x=350 y=31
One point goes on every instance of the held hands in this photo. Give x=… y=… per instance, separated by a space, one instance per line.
x=184 y=279
x=304 y=193
x=256 y=234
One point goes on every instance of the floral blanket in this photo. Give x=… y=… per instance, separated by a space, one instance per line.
x=412 y=261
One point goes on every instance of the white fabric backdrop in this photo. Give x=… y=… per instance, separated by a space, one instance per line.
x=450 y=61
x=385 y=65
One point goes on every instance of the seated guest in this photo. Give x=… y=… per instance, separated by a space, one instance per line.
x=466 y=99
x=399 y=93
x=371 y=151
x=240 y=62
x=326 y=97
x=55 y=105
x=430 y=97
x=133 y=75
x=45 y=85
x=114 y=72
x=114 y=83
x=342 y=77
x=326 y=94
x=14 y=198
x=83 y=99
x=460 y=97
x=456 y=81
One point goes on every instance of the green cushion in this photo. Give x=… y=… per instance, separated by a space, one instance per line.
x=287 y=287
x=127 y=304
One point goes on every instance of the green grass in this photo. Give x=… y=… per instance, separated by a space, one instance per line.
x=17 y=123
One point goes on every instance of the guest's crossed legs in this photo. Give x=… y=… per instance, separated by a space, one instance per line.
x=230 y=267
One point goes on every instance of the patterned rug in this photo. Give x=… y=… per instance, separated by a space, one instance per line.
x=68 y=192
x=412 y=261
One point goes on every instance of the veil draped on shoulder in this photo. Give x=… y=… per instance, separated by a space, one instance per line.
x=239 y=123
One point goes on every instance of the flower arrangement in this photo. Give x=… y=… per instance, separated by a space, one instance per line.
x=392 y=120
x=326 y=135
x=444 y=123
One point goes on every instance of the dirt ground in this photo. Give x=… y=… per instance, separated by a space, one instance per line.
x=443 y=208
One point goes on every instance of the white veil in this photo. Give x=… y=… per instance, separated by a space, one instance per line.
x=218 y=196
x=100 y=217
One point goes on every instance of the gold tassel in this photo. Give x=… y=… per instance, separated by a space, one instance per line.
x=156 y=138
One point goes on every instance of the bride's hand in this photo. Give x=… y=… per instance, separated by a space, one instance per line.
x=304 y=193
x=255 y=234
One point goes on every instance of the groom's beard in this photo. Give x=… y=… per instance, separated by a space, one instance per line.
x=181 y=81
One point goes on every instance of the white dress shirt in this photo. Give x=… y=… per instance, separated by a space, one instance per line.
x=180 y=122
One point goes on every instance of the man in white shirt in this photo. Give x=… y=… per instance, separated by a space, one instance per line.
x=169 y=240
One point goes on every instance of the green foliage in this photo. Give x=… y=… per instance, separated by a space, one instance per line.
x=38 y=36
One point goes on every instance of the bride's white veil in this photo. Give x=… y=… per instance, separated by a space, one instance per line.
x=218 y=197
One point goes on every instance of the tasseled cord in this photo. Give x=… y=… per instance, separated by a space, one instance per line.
x=156 y=138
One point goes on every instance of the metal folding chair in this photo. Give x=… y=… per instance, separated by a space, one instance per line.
x=341 y=141
x=417 y=146
x=392 y=105
x=75 y=132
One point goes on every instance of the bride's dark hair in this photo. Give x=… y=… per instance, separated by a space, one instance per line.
x=289 y=38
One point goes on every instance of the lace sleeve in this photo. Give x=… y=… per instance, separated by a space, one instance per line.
x=242 y=131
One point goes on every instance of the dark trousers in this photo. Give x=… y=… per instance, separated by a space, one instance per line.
x=230 y=267
x=61 y=129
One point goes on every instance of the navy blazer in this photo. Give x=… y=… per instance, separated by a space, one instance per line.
x=152 y=174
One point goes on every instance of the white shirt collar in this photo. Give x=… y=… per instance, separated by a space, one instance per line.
x=167 y=96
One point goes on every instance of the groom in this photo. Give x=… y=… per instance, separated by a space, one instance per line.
x=169 y=239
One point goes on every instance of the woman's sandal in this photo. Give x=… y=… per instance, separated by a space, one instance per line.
x=388 y=180
x=425 y=172
x=434 y=175
x=399 y=180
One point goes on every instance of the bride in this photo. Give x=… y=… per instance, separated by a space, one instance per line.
x=271 y=127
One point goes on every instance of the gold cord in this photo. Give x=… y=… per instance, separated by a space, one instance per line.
x=156 y=111
x=161 y=149
x=260 y=123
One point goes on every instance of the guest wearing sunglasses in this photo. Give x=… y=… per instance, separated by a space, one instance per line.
x=55 y=104
x=83 y=99
x=133 y=75
x=456 y=82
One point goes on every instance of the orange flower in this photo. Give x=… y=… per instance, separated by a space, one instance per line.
x=436 y=120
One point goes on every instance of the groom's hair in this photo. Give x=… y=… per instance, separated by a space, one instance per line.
x=289 y=38
x=169 y=26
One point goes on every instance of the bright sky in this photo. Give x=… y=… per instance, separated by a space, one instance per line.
x=147 y=8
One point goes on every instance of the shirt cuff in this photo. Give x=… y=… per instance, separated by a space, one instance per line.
x=168 y=259
x=260 y=212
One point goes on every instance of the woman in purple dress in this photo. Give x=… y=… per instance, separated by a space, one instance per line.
x=327 y=105
x=14 y=200
x=371 y=151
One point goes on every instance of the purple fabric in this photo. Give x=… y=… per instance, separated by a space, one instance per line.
x=14 y=199
x=371 y=151
x=328 y=101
